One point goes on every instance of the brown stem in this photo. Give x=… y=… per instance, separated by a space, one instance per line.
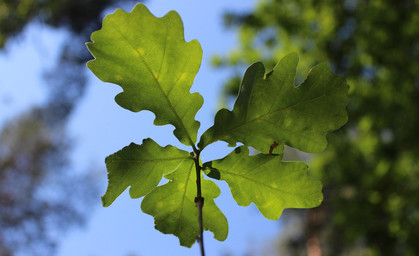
x=199 y=201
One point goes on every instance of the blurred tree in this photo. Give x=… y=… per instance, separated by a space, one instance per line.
x=371 y=167
x=67 y=80
x=38 y=195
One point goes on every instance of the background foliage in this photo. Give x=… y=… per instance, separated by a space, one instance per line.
x=371 y=168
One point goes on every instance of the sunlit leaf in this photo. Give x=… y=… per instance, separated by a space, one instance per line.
x=174 y=210
x=271 y=110
x=266 y=181
x=141 y=167
x=149 y=58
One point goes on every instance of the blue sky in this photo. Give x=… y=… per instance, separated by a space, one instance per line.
x=100 y=127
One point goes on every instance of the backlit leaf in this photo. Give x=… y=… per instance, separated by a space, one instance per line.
x=141 y=167
x=266 y=181
x=174 y=210
x=271 y=110
x=149 y=58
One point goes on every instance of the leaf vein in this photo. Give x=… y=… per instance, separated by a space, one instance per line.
x=146 y=160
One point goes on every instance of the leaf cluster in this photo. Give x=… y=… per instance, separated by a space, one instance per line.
x=149 y=58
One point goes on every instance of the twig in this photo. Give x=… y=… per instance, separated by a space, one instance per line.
x=199 y=201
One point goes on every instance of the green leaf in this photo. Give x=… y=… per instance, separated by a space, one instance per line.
x=272 y=185
x=141 y=167
x=149 y=58
x=173 y=206
x=270 y=110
